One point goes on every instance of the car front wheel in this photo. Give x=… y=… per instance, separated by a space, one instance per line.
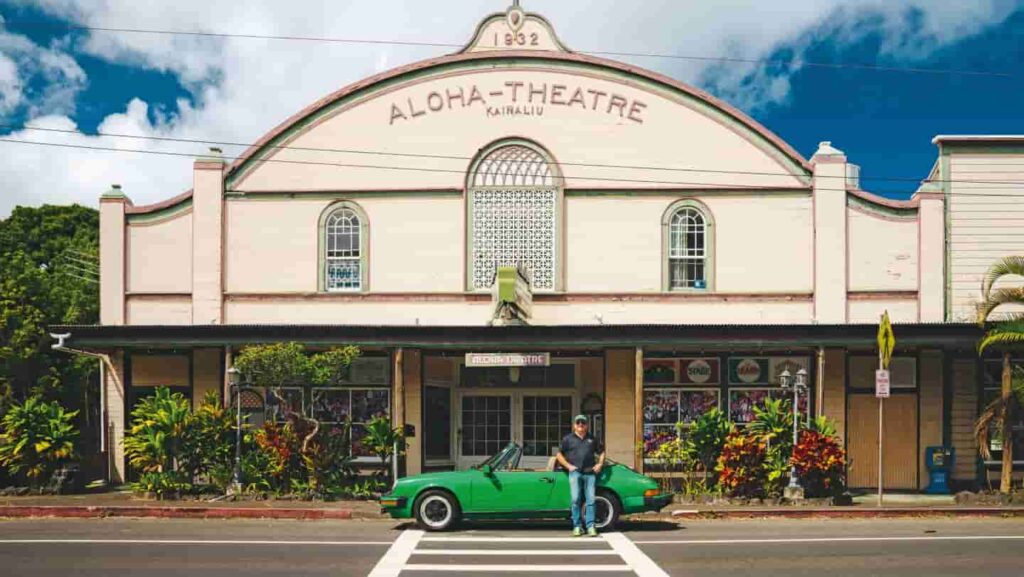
x=437 y=511
x=606 y=511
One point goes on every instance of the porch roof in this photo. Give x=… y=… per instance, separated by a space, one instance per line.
x=709 y=337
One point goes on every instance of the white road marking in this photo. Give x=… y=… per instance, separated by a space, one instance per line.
x=507 y=539
x=637 y=560
x=801 y=540
x=395 y=559
x=519 y=568
x=185 y=542
x=514 y=552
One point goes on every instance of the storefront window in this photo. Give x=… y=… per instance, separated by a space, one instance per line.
x=677 y=392
x=356 y=405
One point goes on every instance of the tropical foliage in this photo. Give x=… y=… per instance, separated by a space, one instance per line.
x=741 y=466
x=382 y=440
x=1007 y=330
x=38 y=436
x=155 y=445
x=820 y=463
x=48 y=275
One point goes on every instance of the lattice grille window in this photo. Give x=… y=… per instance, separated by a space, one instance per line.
x=514 y=165
x=687 y=250
x=514 y=217
x=343 y=258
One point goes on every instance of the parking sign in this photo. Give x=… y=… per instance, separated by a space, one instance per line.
x=882 y=384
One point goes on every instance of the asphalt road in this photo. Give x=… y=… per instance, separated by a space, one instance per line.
x=154 y=548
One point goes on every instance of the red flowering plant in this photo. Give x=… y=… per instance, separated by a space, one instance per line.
x=741 y=471
x=820 y=463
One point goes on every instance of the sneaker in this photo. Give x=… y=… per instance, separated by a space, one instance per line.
x=577 y=532
x=592 y=532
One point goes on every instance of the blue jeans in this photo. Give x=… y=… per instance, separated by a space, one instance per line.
x=589 y=488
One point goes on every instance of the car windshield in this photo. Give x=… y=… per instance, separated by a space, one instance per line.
x=506 y=458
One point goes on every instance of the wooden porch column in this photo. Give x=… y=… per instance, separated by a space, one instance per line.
x=398 y=392
x=638 y=405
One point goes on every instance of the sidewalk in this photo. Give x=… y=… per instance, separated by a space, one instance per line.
x=865 y=505
x=125 y=504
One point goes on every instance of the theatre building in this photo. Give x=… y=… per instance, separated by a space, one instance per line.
x=673 y=255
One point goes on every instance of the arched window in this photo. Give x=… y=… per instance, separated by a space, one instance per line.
x=688 y=252
x=514 y=203
x=343 y=249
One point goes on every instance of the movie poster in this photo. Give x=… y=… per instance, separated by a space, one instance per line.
x=693 y=404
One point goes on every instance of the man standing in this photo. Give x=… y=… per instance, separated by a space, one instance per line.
x=583 y=456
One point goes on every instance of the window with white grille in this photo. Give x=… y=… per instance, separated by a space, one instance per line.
x=514 y=210
x=343 y=256
x=687 y=250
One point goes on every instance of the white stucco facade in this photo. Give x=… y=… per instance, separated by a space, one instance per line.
x=666 y=224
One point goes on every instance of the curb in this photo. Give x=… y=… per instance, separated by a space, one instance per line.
x=849 y=513
x=95 y=512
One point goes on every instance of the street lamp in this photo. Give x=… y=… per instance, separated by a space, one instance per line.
x=235 y=382
x=794 y=490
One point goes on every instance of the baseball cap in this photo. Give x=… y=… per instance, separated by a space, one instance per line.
x=580 y=419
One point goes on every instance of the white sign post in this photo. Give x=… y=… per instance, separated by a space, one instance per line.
x=886 y=344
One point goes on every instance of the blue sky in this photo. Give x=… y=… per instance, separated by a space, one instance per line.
x=235 y=89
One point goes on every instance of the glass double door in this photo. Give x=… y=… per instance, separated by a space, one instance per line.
x=488 y=421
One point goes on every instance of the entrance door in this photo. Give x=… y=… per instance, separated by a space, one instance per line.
x=485 y=426
x=900 y=449
x=437 y=437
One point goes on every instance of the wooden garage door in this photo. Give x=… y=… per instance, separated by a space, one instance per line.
x=900 y=458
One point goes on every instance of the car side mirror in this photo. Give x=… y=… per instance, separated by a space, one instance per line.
x=487 y=470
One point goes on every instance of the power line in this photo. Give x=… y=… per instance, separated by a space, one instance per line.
x=467 y=158
x=722 y=185
x=335 y=40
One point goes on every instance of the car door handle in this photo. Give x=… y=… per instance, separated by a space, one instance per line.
x=546 y=480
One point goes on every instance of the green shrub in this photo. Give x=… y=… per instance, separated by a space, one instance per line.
x=381 y=440
x=157 y=440
x=209 y=445
x=706 y=437
x=38 y=437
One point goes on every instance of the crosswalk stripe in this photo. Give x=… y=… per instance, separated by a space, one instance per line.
x=507 y=539
x=639 y=562
x=394 y=560
x=519 y=568
x=516 y=552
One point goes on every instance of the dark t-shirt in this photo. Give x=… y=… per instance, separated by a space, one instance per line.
x=581 y=453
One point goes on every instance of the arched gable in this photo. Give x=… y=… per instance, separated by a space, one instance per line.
x=418 y=127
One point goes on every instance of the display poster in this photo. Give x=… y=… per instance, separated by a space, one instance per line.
x=660 y=371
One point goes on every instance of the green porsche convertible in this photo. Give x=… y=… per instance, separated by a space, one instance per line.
x=498 y=489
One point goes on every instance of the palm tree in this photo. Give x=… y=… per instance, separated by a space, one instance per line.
x=1009 y=330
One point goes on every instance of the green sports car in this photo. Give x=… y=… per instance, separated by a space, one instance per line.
x=498 y=489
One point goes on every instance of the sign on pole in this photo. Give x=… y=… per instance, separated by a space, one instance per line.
x=886 y=344
x=882 y=384
x=886 y=341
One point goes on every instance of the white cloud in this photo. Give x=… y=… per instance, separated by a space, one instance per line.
x=243 y=87
x=39 y=78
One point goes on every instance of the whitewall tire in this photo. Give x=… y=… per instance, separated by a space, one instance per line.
x=437 y=511
x=606 y=511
